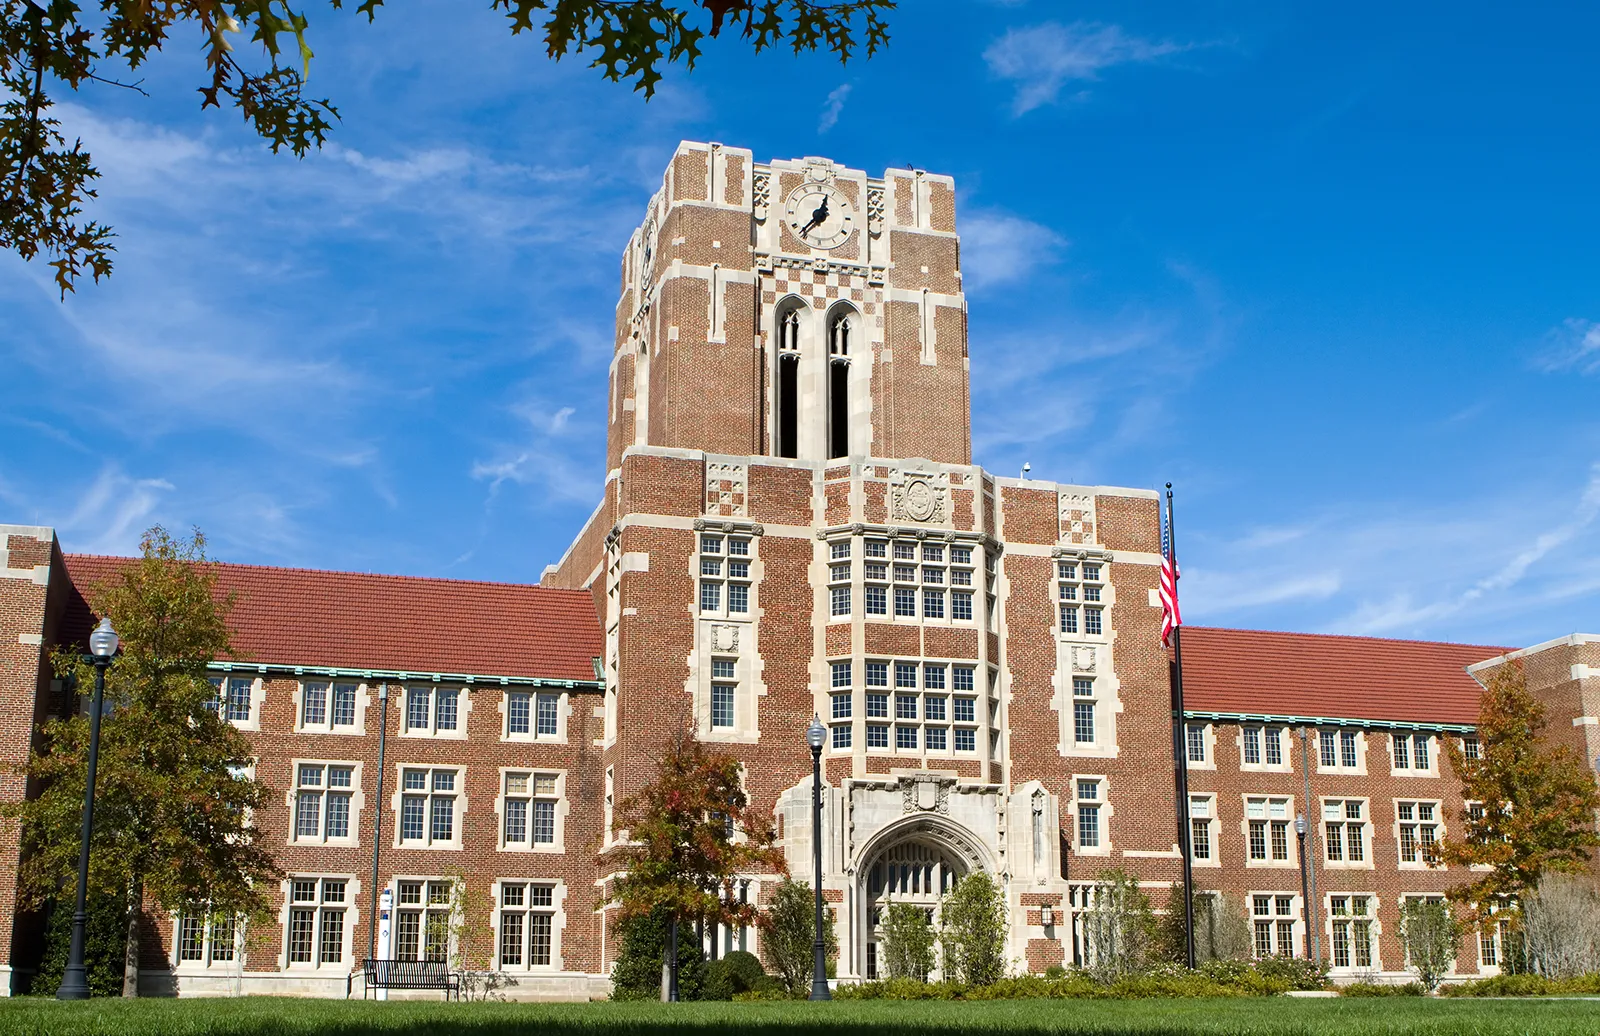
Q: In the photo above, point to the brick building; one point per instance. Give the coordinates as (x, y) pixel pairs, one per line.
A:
(792, 525)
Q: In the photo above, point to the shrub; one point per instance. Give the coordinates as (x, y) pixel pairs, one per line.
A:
(790, 937)
(105, 939)
(972, 932)
(636, 974)
(1430, 935)
(1526, 985)
(1221, 928)
(907, 943)
(738, 972)
(1368, 989)
(1121, 926)
(1561, 922)
(1218, 979)
(1299, 972)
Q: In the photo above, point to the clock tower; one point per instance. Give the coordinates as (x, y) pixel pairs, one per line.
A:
(794, 309)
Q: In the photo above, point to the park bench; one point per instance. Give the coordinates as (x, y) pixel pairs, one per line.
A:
(406, 974)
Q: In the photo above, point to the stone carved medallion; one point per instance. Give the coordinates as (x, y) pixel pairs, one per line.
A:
(924, 793)
(1083, 659)
(917, 497)
(724, 638)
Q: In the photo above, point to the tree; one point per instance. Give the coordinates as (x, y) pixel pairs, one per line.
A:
(972, 931)
(636, 973)
(1534, 802)
(907, 943)
(1430, 935)
(790, 937)
(1561, 923)
(45, 44)
(1121, 927)
(1221, 928)
(693, 834)
(173, 798)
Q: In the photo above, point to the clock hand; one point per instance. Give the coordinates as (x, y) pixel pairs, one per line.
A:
(818, 214)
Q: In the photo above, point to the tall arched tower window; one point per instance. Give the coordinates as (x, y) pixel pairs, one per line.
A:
(841, 328)
(786, 423)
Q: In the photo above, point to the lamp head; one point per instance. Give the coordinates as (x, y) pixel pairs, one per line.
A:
(1299, 823)
(815, 732)
(103, 641)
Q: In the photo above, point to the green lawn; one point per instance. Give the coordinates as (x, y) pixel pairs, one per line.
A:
(1291, 1017)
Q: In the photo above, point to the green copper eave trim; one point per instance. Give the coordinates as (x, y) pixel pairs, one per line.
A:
(406, 675)
(1330, 721)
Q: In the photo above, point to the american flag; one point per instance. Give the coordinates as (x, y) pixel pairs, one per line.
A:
(1171, 618)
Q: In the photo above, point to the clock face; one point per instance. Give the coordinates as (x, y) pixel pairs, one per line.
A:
(820, 215)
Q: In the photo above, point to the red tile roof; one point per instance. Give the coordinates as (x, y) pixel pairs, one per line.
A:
(1311, 675)
(296, 616)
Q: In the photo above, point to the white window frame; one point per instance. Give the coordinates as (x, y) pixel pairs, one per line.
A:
(401, 793)
(1276, 918)
(1103, 813)
(1264, 733)
(427, 910)
(1412, 739)
(727, 559)
(1346, 822)
(209, 924)
(1208, 736)
(1083, 585)
(1415, 821)
(563, 708)
(1275, 813)
(432, 729)
(1339, 766)
(1203, 814)
(556, 911)
(1369, 918)
(355, 791)
(347, 908)
(330, 688)
(558, 798)
(255, 696)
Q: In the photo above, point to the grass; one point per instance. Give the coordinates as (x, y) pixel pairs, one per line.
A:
(1267, 1016)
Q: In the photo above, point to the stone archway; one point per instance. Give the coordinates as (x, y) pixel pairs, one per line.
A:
(915, 860)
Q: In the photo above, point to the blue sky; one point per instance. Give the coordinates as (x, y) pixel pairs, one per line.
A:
(1332, 272)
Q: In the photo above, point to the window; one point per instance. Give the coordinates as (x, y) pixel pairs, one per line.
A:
(433, 710)
(205, 939)
(1083, 710)
(1089, 803)
(1273, 917)
(527, 924)
(428, 805)
(1411, 753)
(905, 602)
(530, 809)
(839, 600)
(327, 706)
(1267, 821)
(723, 689)
(877, 598)
(316, 921)
(841, 705)
(877, 735)
(1339, 750)
(1469, 746)
(841, 735)
(1200, 841)
(1273, 736)
(1352, 930)
(1345, 830)
(724, 575)
(322, 801)
(1252, 746)
(422, 921)
(933, 604)
(536, 714)
(1419, 831)
(232, 697)
(905, 738)
(1195, 739)
(960, 605)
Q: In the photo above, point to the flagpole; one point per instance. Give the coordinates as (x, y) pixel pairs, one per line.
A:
(1180, 750)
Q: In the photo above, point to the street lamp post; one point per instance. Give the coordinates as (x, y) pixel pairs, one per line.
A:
(102, 648)
(1305, 893)
(815, 733)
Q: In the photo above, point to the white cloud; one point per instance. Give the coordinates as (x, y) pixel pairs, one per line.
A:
(832, 107)
(1043, 59)
(113, 511)
(1575, 345)
(997, 248)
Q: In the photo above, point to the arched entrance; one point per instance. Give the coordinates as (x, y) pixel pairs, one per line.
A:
(915, 860)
